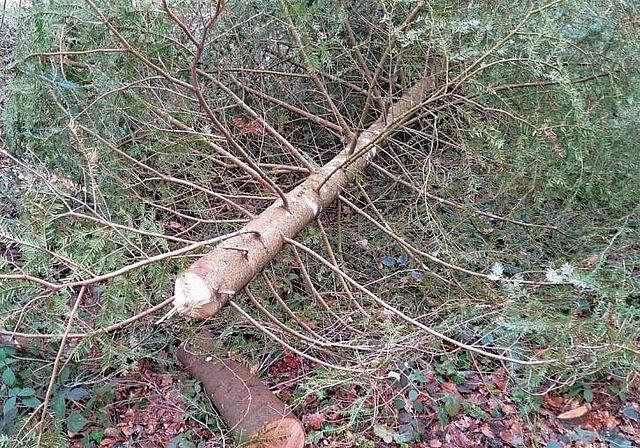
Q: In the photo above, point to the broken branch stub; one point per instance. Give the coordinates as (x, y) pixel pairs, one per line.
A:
(212, 280)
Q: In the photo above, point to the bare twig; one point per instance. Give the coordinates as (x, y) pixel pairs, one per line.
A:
(409, 319)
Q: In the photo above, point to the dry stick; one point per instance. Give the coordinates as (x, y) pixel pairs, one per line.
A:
(339, 231)
(108, 329)
(54, 369)
(149, 260)
(406, 318)
(92, 159)
(346, 130)
(272, 335)
(124, 88)
(95, 279)
(383, 222)
(455, 204)
(504, 61)
(212, 280)
(280, 168)
(484, 108)
(21, 314)
(262, 71)
(73, 53)
(59, 195)
(333, 259)
(244, 106)
(90, 156)
(291, 108)
(165, 177)
(407, 246)
(367, 199)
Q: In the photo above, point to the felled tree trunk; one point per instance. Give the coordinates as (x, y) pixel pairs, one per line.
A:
(249, 409)
(212, 280)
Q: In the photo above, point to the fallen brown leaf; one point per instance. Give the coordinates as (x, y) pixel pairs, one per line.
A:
(487, 431)
(315, 420)
(574, 414)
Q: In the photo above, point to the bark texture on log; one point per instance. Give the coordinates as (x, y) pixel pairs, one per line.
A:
(247, 406)
(212, 280)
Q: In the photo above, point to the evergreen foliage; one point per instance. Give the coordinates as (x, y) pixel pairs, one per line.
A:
(535, 119)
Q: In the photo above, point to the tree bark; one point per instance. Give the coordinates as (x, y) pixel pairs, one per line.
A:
(211, 281)
(249, 409)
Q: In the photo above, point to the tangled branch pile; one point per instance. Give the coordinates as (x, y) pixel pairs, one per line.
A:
(497, 219)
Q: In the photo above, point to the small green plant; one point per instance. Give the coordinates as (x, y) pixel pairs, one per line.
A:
(17, 397)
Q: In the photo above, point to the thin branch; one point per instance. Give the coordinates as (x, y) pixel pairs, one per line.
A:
(450, 203)
(179, 22)
(469, 71)
(334, 260)
(346, 130)
(108, 329)
(250, 167)
(244, 106)
(157, 258)
(131, 49)
(280, 341)
(56, 362)
(193, 218)
(376, 75)
(314, 291)
(372, 80)
(29, 278)
(283, 304)
(407, 246)
(204, 105)
(314, 341)
(123, 227)
(165, 177)
(523, 85)
(291, 108)
(408, 319)
(73, 53)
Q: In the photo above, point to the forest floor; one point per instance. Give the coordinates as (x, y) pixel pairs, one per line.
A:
(154, 407)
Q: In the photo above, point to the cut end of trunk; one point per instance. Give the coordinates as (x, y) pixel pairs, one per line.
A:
(285, 433)
(191, 294)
